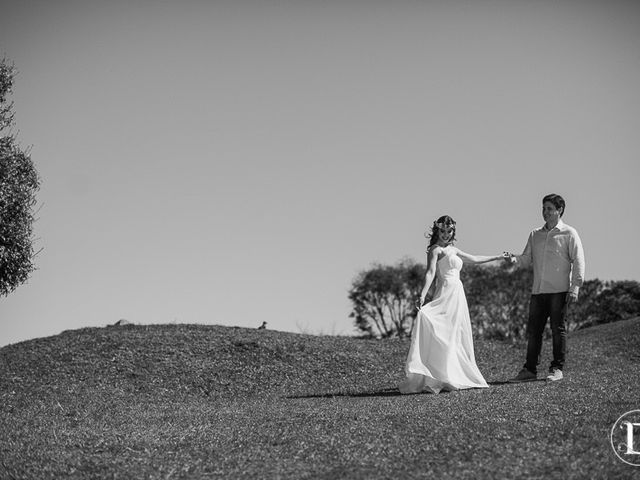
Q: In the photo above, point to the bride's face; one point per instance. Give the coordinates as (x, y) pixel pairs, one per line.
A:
(445, 234)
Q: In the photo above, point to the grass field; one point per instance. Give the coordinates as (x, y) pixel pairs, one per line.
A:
(194, 401)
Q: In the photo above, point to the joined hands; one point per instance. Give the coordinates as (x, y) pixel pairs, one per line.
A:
(509, 257)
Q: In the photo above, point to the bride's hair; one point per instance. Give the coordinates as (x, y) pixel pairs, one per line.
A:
(441, 223)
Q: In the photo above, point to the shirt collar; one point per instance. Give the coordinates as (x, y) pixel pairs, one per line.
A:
(560, 226)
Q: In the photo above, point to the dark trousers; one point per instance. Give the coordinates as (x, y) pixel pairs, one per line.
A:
(541, 307)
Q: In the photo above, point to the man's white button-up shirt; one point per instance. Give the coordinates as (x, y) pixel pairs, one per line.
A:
(557, 258)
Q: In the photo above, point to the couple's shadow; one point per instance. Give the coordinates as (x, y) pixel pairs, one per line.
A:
(385, 392)
(389, 392)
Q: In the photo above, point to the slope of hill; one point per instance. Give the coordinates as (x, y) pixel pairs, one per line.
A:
(195, 401)
(213, 361)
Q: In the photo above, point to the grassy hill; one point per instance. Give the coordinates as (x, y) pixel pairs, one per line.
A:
(195, 401)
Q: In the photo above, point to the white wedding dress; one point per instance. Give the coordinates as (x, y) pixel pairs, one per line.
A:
(441, 355)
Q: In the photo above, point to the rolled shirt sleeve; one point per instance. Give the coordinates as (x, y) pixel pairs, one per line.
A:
(577, 262)
(525, 259)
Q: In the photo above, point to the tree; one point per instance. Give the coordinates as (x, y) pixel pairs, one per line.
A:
(584, 312)
(384, 298)
(618, 300)
(498, 299)
(19, 182)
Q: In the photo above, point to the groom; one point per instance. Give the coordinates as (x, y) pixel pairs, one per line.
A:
(555, 250)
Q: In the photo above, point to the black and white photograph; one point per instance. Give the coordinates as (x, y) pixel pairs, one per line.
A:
(319, 239)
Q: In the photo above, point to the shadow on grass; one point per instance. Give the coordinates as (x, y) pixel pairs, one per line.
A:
(507, 382)
(394, 392)
(385, 392)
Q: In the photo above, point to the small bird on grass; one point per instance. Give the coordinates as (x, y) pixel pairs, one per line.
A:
(263, 326)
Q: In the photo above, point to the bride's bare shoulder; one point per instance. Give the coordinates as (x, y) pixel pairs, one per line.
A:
(434, 250)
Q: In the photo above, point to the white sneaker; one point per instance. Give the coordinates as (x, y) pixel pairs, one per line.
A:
(555, 375)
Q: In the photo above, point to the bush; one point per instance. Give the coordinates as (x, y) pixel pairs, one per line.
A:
(498, 298)
(18, 184)
(617, 300)
(384, 299)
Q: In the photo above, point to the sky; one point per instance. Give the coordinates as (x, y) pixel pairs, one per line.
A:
(234, 162)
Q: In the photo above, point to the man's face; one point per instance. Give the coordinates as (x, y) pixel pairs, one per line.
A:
(550, 213)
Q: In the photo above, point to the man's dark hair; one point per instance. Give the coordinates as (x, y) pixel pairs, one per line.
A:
(557, 201)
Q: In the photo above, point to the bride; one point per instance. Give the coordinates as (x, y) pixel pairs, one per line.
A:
(441, 355)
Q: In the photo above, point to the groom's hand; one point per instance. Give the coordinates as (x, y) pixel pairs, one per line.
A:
(572, 297)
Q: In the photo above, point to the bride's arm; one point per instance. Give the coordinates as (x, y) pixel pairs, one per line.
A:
(468, 258)
(432, 261)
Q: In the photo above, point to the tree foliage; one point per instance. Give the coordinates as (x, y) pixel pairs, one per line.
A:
(18, 184)
(617, 300)
(498, 298)
(384, 299)
(584, 312)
